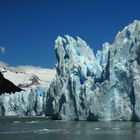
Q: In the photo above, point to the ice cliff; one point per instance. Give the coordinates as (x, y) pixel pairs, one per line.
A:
(103, 87)
(31, 102)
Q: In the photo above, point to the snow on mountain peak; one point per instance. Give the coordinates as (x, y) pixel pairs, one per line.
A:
(23, 74)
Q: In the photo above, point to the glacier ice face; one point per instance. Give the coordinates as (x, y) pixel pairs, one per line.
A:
(31, 102)
(74, 56)
(105, 86)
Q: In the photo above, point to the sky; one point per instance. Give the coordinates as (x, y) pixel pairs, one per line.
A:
(28, 28)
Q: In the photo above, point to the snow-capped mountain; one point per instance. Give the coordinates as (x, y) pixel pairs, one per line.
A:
(28, 76)
(105, 86)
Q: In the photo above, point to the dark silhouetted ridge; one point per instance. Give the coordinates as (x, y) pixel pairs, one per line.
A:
(7, 86)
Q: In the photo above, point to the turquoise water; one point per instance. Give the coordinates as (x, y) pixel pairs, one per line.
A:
(39, 128)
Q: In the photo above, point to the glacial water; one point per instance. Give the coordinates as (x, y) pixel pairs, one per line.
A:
(39, 128)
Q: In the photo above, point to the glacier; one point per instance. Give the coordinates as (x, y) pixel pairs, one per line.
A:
(101, 87)
(31, 102)
(96, 87)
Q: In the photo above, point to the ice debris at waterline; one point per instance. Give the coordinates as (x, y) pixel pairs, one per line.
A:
(103, 87)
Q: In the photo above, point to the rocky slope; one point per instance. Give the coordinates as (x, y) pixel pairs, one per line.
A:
(103, 87)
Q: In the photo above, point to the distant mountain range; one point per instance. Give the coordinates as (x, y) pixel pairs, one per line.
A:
(26, 77)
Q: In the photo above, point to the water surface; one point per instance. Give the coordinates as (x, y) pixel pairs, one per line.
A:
(39, 128)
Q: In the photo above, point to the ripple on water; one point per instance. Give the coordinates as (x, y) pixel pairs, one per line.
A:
(40, 131)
